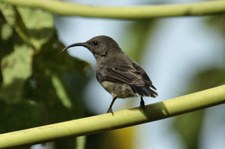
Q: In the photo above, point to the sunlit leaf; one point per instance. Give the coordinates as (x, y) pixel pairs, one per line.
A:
(38, 84)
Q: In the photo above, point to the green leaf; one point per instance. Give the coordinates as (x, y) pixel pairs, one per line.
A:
(38, 83)
(38, 30)
(16, 67)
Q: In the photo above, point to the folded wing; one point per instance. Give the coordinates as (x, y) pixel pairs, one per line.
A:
(132, 75)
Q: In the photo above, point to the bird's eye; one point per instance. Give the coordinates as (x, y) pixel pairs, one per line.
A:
(95, 43)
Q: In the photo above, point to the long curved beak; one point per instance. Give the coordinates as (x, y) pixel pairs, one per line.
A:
(83, 44)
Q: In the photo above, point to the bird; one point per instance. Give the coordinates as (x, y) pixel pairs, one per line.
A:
(117, 73)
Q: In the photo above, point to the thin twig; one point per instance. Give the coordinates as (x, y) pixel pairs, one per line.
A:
(124, 12)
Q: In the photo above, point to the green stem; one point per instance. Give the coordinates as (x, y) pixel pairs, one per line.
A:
(120, 119)
(124, 12)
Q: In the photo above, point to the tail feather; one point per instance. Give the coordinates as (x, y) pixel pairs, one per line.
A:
(145, 91)
(153, 93)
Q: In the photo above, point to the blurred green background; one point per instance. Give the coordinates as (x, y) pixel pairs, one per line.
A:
(39, 85)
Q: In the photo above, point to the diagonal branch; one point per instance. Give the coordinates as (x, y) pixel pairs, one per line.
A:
(120, 119)
(124, 12)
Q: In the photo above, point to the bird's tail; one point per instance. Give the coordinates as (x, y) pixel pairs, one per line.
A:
(145, 91)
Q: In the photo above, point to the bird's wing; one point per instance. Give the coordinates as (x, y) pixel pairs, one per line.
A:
(124, 73)
(132, 75)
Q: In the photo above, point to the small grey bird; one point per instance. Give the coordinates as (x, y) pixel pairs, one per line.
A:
(121, 76)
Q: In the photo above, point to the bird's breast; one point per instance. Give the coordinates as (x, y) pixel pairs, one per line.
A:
(118, 89)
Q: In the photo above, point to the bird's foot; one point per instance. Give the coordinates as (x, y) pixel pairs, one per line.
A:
(110, 111)
(142, 104)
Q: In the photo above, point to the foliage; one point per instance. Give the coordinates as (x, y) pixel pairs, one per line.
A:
(38, 84)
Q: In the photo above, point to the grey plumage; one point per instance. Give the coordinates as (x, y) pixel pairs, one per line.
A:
(120, 75)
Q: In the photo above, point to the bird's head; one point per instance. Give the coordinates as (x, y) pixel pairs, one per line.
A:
(99, 46)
